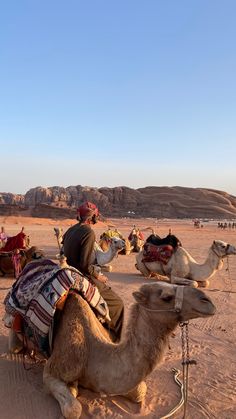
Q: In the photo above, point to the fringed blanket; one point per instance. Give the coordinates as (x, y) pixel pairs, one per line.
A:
(38, 290)
(15, 242)
(154, 253)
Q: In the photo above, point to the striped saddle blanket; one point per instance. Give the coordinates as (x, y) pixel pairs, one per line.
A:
(38, 291)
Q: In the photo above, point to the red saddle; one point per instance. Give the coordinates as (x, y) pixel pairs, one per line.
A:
(153, 253)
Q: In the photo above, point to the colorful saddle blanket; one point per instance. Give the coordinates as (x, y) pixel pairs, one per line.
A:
(153, 253)
(37, 292)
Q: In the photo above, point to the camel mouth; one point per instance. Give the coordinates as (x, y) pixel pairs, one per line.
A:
(208, 310)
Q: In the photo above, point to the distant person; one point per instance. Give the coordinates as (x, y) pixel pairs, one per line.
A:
(3, 238)
(78, 243)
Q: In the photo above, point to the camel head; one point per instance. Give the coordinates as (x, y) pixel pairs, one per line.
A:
(116, 243)
(173, 303)
(223, 249)
(34, 253)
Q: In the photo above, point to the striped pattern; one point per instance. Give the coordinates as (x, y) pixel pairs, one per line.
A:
(40, 286)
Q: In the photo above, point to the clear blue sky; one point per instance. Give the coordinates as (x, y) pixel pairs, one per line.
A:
(112, 93)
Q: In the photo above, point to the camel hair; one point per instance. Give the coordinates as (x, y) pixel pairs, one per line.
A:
(83, 353)
(182, 267)
(99, 256)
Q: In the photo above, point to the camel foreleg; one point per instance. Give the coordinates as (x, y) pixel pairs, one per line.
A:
(183, 281)
(70, 407)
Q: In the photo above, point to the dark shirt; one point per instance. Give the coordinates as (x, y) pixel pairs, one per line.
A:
(78, 243)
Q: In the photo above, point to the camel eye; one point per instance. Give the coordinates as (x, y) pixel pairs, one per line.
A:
(167, 298)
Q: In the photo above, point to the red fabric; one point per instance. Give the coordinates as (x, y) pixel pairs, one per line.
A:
(154, 253)
(88, 208)
(15, 242)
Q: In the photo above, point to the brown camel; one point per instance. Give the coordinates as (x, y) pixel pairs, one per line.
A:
(26, 256)
(83, 353)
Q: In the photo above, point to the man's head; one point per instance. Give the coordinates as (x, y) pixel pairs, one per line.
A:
(88, 212)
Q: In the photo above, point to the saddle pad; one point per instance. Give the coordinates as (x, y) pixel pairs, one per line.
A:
(154, 253)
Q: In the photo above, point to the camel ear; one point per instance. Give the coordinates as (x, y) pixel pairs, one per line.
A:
(140, 297)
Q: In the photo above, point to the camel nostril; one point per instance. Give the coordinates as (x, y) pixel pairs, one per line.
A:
(205, 300)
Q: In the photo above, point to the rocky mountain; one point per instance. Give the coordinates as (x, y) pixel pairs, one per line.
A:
(151, 201)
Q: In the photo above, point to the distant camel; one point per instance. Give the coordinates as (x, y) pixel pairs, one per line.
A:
(182, 267)
(83, 353)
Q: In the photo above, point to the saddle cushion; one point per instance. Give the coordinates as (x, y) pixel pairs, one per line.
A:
(153, 253)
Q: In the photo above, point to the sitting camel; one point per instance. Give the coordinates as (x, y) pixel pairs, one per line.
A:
(99, 257)
(182, 267)
(83, 353)
(102, 258)
(9, 260)
(136, 239)
(104, 243)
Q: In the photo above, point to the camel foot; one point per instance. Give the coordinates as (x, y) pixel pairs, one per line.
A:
(72, 409)
(106, 268)
(203, 284)
(138, 394)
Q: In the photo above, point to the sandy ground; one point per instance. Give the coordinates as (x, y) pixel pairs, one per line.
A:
(212, 382)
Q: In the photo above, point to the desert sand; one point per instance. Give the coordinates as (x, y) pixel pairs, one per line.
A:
(212, 382)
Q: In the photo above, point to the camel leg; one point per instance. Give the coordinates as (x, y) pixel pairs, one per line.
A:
(106, 268)
(138, 394)
(183, 281)
(70, 407)
(142, 268)
(203, 284)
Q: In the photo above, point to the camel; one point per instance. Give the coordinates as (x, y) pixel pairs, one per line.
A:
(7, 266)
(99, 257)
(182, 267)
(104, 243)
(83, 353)
(136, 243)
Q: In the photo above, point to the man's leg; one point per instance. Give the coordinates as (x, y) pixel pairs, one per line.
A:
(115, 305)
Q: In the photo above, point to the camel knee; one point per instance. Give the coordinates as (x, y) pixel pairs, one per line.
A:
(70, 407)
(141, 267)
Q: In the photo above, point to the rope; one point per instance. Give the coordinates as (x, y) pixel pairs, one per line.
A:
(181, 402)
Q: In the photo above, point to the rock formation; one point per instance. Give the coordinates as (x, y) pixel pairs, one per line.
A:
(151, 201)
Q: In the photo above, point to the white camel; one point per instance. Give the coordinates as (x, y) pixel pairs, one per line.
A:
(99, 257)
(182, 267)
(83, 353)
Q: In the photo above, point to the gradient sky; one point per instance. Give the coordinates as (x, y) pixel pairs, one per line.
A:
(118, 93)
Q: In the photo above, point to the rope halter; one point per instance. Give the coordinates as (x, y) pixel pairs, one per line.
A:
(179, 296)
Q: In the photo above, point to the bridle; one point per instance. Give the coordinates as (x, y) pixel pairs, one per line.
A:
(179, 295)
(220, 256)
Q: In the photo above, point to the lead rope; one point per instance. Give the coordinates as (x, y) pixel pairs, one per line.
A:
(186, 361)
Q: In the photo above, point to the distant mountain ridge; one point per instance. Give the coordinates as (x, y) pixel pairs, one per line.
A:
(122, 201)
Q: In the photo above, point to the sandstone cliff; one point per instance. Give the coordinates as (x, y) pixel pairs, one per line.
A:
(151, 201)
